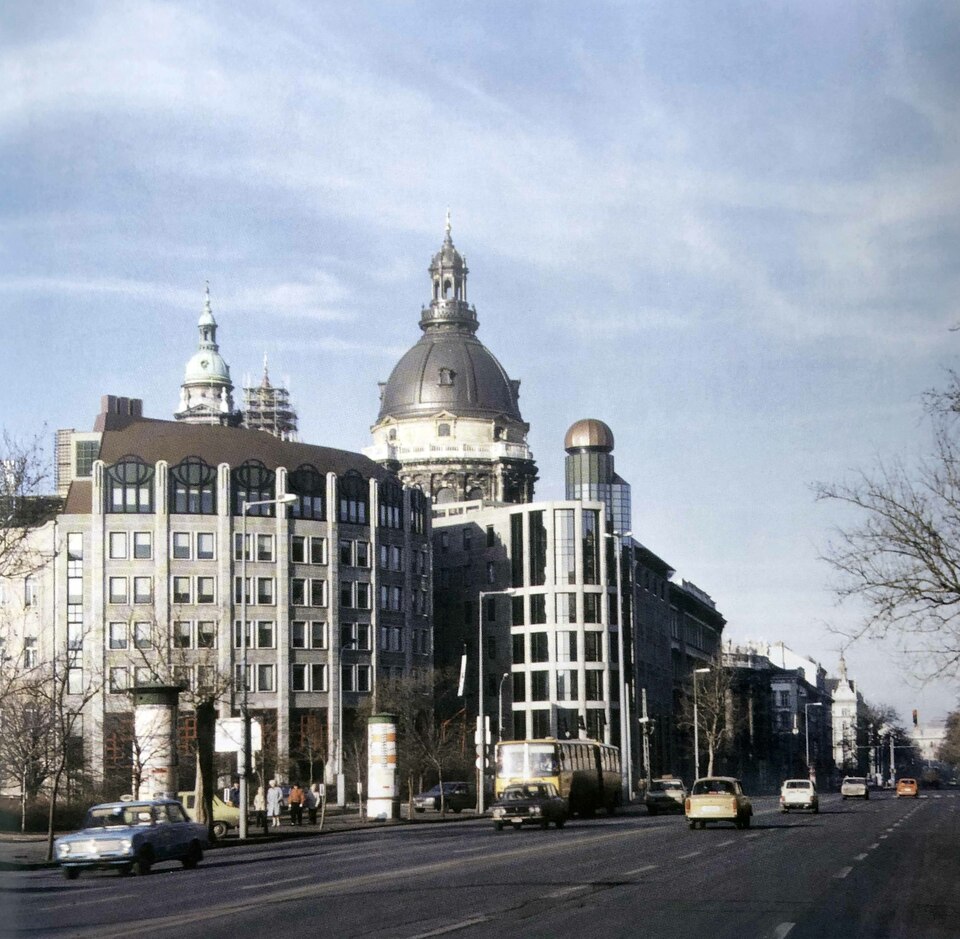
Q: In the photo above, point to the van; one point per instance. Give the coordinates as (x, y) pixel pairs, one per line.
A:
(225, 816)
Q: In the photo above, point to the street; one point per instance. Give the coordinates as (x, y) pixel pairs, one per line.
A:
(868, 869)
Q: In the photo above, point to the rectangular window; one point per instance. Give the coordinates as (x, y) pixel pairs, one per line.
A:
(118, 680)
(142, 545)
(347, 677)
(265, 548)
(142, 675)
(75, 636)
(566, 608)
(318, 634)
(538, 550)
(265, 634)
(298, 635)
(118, 589)
(206, 634)
(141, 636)
(318, 676)
(396, 558)
(346, 553)
(467, 539)
(182, 590)
(594, 685)
(240, 679)
(567, 685)
(363, 596)
(206, 590)
(205, 546)
(539, 647)
(540, 685)
(183, 676)
(298, 549)
(74, 681)
(298, 677)
(566, 646)
(516, 549)
(592, 647)
(118, 545)
(538, 608)
(143, 590)
(491, 538)
(182, 634)
(591, 548)
(265, 595)
(30, 654)
(318, 592)
(519, 653)
(181, 545)
(591, 607)
(564, 546)
(519, 686)
(363, 678)
(118, 635)
(238, 635)
(363, 554)
(491, 572)
(318, 550)
(346, 593)
(298, 591)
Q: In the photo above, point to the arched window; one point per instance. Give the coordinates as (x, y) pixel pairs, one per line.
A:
(308, 484)
(418, 511)
(443, 430)
(252, 482)
(130, 486)
(391, 503)
(475, 493)
(447, 287)
(446, 495)
(193, 488)
(354, 499)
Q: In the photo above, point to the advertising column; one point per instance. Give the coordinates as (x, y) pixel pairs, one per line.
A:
(383, 795)
(155, 741)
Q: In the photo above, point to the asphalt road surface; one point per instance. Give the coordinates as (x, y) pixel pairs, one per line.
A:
(868, 869)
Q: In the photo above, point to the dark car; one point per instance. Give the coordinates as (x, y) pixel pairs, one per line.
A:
(456, 798)
(131, 837)
(529, 804)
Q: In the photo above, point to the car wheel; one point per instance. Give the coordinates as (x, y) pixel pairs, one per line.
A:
(784, 811)
(71, 873)
(141, 866)
(746, 820)
(498, 826)
(458, 810)
(124, 870)
(651, 810)
(418, 811)
(561, 822)
(545, 824)
(220, 830)
(816, 810)
(194, 856)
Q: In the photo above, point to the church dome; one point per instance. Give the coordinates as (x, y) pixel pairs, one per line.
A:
(207, 365)
(589, 434)
(449, 369)
(452, 372)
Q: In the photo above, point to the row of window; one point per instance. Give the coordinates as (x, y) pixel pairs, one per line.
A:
(535, 685)
(535, 647)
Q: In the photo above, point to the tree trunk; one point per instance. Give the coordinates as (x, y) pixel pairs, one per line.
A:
(206, 732)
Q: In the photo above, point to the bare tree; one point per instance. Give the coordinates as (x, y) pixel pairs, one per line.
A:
(949, 749)
(713, 711)
(900, 554)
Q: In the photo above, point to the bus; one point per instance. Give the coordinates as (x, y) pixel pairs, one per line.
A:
(585, 772)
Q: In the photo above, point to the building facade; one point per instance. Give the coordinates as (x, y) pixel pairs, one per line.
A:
(174, 540)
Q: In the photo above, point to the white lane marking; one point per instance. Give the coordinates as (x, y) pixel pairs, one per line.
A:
(72, 903)
(781, 931)
(453, 927)
(840, 874)
(755, 834)
(884, 837)
(683, 857)
(871, 847)
(277, 883)
(723, 844)
(640, 870)
(566, 891)
(860, 857)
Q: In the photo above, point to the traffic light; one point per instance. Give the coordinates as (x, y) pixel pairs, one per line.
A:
(914, 717)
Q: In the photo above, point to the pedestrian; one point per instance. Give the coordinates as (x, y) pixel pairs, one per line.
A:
(260, 809)
(234, 799)
(311, 799)
(295, 799)
(274, 803)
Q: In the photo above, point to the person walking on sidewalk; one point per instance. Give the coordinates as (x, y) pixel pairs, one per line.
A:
(295, 799)
(274, 803)
(311, 799)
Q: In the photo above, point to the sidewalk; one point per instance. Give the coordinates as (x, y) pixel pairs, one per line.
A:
(29, 852)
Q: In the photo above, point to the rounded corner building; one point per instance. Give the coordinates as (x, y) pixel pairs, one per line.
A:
(449, 421)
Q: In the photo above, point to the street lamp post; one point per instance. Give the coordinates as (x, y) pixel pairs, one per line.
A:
(481, 720)
(503, 678)
(341, 779)
(244, 705)
(806, 727)
(696, 724)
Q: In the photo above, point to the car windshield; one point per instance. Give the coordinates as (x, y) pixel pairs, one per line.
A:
(797, 784)
(118, 816)
(529, 791)
(855, 781)
(713, 787)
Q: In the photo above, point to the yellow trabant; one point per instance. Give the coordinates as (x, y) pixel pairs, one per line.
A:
(717, 799)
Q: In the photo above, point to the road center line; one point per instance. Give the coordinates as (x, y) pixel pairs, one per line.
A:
(860, 857)
(640, 870)
(276, 883)
(723, 844)
(566, 891)
(683, 857)
(453, 927)
(840, 874)
(871, 847)
(781, 931)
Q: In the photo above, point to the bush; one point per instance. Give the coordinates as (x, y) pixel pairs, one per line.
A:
(67, 817)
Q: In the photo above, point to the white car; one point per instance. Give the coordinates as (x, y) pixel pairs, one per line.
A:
(855, 787)
(799, 794)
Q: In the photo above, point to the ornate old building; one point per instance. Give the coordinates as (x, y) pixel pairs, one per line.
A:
(449, 421)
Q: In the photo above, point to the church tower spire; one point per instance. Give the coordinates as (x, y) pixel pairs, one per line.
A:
(206, 393)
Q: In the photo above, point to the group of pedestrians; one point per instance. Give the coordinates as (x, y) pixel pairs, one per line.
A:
(268, 805)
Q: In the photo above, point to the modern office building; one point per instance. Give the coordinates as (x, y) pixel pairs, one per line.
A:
(449, 418)
(171, 537)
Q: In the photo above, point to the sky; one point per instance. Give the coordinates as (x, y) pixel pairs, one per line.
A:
(730, 231)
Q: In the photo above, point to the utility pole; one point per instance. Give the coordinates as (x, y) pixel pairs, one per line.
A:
(645, 721)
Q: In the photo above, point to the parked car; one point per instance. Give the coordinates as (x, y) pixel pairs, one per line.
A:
(908, 787)
(456, 798)
(799, 794)
(665, 795)
(855, 787)
(533, 803)
(131, 837)
(225, 816)
(718, 799)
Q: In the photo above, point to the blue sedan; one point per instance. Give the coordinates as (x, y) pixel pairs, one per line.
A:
(131, 837)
